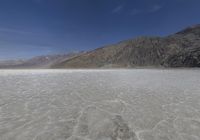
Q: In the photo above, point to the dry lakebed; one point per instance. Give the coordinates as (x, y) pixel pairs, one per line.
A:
(132, 104)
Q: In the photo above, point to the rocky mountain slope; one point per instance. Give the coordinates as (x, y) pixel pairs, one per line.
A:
(178, 50)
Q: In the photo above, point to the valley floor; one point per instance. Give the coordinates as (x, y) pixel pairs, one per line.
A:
(134, 104)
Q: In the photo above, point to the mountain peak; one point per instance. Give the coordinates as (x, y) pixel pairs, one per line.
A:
(172, 51)
(195, 26)
(195, 29)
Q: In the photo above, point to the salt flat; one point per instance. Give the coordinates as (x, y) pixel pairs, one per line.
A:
(138, 104)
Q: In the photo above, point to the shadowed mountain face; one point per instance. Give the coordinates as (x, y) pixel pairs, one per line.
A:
(178, 50)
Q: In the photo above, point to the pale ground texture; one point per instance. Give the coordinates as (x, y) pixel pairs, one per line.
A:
(139, 104)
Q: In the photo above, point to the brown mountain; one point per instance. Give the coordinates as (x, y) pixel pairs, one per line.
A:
(178, 50)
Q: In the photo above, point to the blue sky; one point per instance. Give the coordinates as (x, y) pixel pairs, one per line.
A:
(36, 27)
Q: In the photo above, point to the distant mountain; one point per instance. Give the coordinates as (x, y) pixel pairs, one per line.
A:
(181, 49)
(178, 50)
(37, 62)
(9, 63)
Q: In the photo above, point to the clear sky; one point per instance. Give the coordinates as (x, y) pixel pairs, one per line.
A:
(36, 27)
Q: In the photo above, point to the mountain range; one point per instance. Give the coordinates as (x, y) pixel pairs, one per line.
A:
(181, 49)
(39, 62)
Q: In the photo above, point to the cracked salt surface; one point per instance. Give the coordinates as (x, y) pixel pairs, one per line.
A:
(139, 104)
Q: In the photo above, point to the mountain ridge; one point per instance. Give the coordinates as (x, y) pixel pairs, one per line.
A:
(38, 62)
(181, 49)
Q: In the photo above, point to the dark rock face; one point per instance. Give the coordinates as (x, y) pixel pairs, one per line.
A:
(179, 50)
(185, 59)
